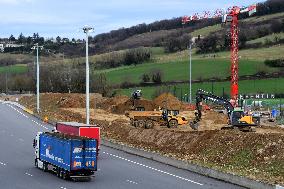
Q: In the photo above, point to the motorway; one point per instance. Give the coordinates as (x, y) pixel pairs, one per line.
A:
(116, 169)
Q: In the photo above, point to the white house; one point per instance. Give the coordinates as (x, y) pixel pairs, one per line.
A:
(11, 45)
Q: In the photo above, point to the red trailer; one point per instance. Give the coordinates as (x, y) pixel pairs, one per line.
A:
(79, 129)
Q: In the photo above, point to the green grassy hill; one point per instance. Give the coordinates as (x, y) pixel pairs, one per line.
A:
(274, 85)
(14, 69)
(175, 67)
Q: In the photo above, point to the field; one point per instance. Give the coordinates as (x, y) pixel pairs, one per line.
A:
(206, 31)
(18, 69)
(270, 38)
(182, 90)
(176, 66)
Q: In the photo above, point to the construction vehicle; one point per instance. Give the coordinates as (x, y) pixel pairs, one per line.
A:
(135, 96)
(66, 155)
(236, 116)
(146, 119)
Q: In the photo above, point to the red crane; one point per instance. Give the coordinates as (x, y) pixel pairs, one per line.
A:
(232, 17)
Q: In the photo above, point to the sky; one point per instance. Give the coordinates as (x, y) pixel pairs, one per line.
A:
(52, 18)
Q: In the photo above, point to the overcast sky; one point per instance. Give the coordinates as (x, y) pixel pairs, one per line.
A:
(51, 18)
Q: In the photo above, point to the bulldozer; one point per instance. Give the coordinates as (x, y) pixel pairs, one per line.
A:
(236, 116)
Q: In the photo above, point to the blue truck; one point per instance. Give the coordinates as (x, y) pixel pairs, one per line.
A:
(65, 155)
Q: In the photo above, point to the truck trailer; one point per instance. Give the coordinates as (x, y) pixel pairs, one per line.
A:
(79, 129)
(67, 156)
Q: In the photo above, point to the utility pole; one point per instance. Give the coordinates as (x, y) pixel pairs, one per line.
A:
(6, 79)
(37, 76)
(190, 76)
(87, 30)
(37, 80)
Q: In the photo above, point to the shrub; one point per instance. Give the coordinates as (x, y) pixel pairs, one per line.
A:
(275, 63)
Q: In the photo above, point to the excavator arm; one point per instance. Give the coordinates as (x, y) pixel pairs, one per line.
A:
(203, 95)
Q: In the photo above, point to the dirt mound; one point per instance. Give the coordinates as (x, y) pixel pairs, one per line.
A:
(108, 104)
(169, 101)
(217, 118)
(128, 105)
(67, 100)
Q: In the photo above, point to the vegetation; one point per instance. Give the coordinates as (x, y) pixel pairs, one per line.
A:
(275, 63)
(18, 69)
(177, 69)
(182, 90)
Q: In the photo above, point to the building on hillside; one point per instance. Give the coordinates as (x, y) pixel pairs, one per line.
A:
(12, 45)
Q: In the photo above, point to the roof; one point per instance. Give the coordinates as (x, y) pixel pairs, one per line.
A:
(76, 124)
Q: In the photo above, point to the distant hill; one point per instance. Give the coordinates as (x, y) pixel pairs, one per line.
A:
(156, 34)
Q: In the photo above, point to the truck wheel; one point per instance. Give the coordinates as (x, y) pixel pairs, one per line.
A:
(149, 124)
(61, 172)
(65, 175)
(135, 123)
(131, 122)
(45, 167)
(36, 163)
(173, 123)
(141, 123)
(58, 170)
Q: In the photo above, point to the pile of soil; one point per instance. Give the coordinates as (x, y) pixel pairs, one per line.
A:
(109, 103)
(168, 101)
(59, 100)
(128, 105)
(217, 118)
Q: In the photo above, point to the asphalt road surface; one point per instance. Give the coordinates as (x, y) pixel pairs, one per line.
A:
(116, 169)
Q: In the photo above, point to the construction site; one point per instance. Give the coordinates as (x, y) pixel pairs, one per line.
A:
(257, 154)
(234, 133)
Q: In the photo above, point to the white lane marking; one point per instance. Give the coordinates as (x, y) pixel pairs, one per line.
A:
(18, 111)
(63, 187)
(20, 139)
(39, 124)
(132, 182)
(27, 117)
(4, 164)
(154, 169)
(29, 174)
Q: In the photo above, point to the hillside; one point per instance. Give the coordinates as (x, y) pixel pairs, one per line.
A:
(162, 54)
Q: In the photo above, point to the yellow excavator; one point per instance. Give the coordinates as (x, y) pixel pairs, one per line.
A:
(236, 116)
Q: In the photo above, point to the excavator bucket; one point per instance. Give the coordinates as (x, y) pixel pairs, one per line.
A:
(194, 125)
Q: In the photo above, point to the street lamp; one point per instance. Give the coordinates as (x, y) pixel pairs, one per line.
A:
(37, 76)
(190, 76)
(87, 30)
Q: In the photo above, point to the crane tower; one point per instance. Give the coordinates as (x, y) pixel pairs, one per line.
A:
(230, 16)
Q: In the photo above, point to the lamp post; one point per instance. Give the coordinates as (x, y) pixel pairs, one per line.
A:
(37, 76)
(190, 76)
(87, 30)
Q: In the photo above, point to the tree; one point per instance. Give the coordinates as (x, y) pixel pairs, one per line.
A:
(242, 40)
(12, 38)
(58, 39)
(145, 78)
(208, 44)
(157, 76)
(276, 26)
(21, 39)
